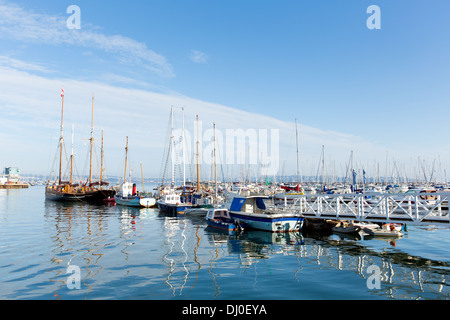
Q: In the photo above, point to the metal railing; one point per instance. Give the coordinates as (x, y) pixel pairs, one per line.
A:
(414, 208)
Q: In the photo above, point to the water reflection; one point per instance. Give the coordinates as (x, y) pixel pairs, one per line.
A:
(190, 260)
(403, 276)
(79, 239)
(175, 255)
(81, 235)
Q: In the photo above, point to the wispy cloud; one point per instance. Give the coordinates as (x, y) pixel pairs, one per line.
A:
(198, 56)
(20, 24)
(22, 65)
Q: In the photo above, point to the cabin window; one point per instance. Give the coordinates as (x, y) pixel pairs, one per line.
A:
(260, 203)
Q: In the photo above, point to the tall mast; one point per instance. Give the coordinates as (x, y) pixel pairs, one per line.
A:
(323, 167)
(296, 135)
(92, 141)
(184, 160)
(126, 156)
(351, 162)
(172, 145)
(101, 163)
(351, 170)
(61, 139)
(71, 161)
(142, 176)
(198, 175)
(215, 165)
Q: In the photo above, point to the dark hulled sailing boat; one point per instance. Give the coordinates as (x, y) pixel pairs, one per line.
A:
(65, 190)
(68, 191)
(104, 193)
(101, 189)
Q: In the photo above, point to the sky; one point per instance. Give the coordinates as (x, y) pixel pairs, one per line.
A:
(247, 65)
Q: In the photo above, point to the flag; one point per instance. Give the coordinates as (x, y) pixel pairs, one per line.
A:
(62, 92)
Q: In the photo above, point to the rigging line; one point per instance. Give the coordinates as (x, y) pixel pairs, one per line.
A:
(177, 158)
(167, 162)
(53, 165)
(221, 163)
(165, 159)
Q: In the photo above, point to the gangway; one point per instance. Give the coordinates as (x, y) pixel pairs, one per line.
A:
(408, 208)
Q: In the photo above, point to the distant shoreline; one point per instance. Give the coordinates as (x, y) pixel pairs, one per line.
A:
(14, 186)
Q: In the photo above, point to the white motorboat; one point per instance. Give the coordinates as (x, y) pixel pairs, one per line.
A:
(257, 214)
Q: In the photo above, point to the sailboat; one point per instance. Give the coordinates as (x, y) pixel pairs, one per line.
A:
(66, 191)
(106, 195)
(93, 192)
(201, 204)
(128, 195)
(172, 202)
(291, 193)
(99, 187)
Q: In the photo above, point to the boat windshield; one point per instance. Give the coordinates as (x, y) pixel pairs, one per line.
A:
(262, 203)
(217, 214)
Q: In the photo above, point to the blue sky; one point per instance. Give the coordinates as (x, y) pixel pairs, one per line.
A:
(315, 61)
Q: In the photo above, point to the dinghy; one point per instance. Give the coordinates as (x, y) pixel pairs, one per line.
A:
(219, 218)
(382, 232)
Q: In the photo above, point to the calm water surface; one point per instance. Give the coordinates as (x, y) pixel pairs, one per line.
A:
(127, 253)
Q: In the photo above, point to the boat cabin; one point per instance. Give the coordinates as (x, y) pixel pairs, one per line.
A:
(254, 204)
(127, 189)
(172, 199)
(218, 214)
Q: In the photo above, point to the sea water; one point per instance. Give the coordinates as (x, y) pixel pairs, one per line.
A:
(57, 251)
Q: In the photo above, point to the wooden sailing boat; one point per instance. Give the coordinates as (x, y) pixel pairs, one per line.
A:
(99, 187)
(66, 190)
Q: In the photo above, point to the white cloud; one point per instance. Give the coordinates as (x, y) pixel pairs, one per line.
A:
(198, 56)
(19, 24)
(21, 65)
(30, 108)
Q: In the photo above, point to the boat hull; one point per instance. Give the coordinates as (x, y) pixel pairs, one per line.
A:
(173, 208)
(93, 196)
(383, 233)
(135, 201)
(100, 195)
(271, 223)
(228, 226)
(55, 195)
(109, 201)
(349, 229)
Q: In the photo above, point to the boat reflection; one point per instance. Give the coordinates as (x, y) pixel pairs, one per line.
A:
(403, 276)
(188, 259)
(80, 238)
(77, 238)
(175, 255)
